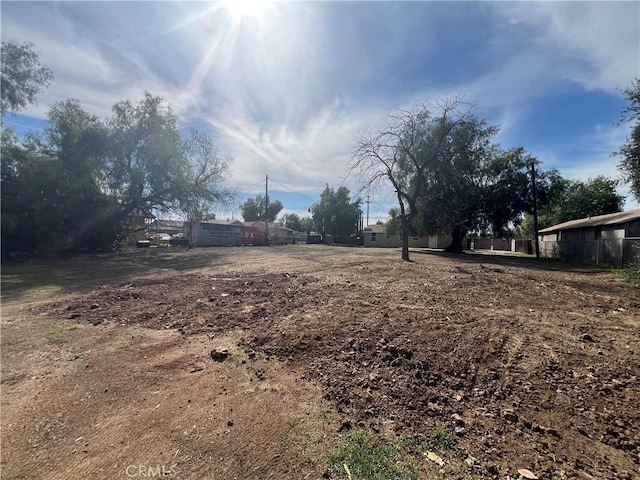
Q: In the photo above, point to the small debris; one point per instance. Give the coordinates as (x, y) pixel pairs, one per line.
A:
(458, 419)
(220, 355)
(527, 474)
(587, 338)
(510, 416)
(459, 431)
(345, 426)
(229, 423)
(435, 458)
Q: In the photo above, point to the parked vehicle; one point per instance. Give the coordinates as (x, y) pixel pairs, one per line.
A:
(179, 240)
(160, 239)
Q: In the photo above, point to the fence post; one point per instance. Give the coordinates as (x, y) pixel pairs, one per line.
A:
(597, 252)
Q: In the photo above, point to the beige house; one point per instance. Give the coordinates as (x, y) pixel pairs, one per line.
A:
(375, 236)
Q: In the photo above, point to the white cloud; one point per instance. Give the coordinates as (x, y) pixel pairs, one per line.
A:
(287, 93)
(594, 44)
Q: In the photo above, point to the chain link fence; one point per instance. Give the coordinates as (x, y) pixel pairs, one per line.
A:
(613, 252)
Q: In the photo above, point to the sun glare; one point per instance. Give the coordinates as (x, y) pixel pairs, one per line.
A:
(246, 8)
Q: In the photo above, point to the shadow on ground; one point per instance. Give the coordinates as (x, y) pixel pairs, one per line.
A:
(82, 273)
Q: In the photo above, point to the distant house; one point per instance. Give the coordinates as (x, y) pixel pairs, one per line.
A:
(375, 236)
(171, 227)
(277, 232)
(612, 239)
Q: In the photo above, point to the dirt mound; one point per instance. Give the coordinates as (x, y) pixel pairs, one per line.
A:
(525, 366)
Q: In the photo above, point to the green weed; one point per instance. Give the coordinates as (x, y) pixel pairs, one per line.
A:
(369, 458)
(441, 437)
(56, 334)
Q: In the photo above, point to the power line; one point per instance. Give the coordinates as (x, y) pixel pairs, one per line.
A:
(260, 182)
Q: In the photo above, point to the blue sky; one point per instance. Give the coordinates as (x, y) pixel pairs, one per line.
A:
(286, 87)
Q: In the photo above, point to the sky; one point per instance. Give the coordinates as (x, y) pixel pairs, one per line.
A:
(286, 88)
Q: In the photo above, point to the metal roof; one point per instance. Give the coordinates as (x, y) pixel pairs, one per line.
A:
(597, 221)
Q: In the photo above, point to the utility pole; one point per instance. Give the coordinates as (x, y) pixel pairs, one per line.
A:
(367, 202)
(266, 210)
(535, 208)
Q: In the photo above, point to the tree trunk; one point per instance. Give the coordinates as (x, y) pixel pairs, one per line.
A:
(457, 235)
(405, 240)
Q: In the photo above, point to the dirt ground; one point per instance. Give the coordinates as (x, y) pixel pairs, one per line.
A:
(107, 373)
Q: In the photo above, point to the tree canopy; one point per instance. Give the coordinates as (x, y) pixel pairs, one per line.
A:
(22, 76)
(253, 209)
(75, 186)
(297, 223)
(562, 200)
(447, 175)
(335, 213)
(629, 153)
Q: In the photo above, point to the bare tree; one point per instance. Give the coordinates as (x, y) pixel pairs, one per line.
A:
(401, 152)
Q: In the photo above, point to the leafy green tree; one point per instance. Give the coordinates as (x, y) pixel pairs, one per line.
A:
(307, 225)
(563, 200)
(145, 164)
(629, 153)
(76, 185)
(292, 221)
(393, 226)
(22, 76)
(297, 223)
(335, 213)
(253, 209)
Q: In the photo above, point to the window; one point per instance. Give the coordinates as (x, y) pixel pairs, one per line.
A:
(415, 238)
(373, 237)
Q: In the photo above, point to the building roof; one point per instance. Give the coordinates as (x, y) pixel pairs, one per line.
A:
(233, 223)
(375, 228)
(597, 221)
(272, 226)
(168, 223)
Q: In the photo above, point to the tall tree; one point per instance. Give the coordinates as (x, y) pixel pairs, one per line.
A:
(335, 213)
(22, 76)
(145, 165)
(400, 151)
(447, 175)
(253, 209)
(629, 153)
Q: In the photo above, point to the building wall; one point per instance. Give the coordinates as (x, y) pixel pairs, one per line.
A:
(612, 233)
(251, 236)
(382, 240)
(607, 245)
(214, 235)
(632, 229)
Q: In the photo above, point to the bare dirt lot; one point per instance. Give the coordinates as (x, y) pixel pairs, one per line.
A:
(107, 373)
